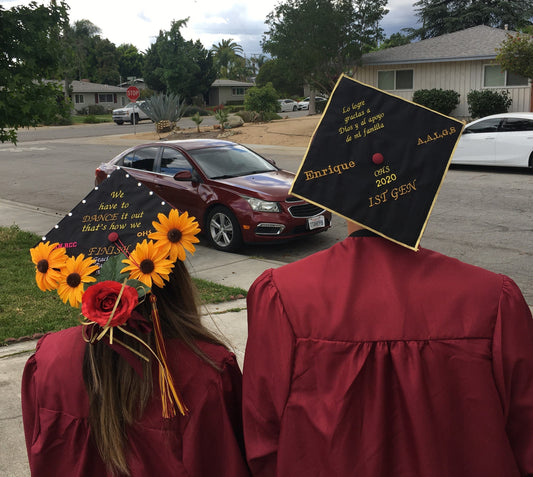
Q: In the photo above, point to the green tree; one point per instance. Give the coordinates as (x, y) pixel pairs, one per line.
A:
(130, 61)
(285, 83)
(104, 60)
(516, 55)
(318, 40)
(396, 39)
(77, 46)
(31, 53)
(447, 16)
(174, 65)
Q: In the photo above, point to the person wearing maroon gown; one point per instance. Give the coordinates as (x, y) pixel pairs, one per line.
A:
(373, 359)
(142, 388)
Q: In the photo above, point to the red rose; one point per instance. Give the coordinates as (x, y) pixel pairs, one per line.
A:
(99, 299)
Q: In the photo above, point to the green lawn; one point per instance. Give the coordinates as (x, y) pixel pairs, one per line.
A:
(26, 310)
(92, 119)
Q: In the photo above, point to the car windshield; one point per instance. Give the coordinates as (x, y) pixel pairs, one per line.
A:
(230, 161)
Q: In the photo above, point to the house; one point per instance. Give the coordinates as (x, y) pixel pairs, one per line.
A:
(85, 94)
(461, 61)
(224, 91)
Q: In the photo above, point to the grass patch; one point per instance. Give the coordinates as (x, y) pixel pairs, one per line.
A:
(94, 118)
(26, 310)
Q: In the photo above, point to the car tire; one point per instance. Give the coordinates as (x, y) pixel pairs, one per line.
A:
(223, 229)
(120, 123)
(295, 108)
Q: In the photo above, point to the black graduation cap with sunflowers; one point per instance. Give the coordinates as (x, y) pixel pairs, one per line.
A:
(107, 254)
(378, 160)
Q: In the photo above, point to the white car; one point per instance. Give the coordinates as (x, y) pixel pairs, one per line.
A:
(129, 113)
(304, 103)
(499, 140)
(287, 105)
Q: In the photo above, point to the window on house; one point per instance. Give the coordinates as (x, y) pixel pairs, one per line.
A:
(493, 77)
(238, 91)
(105, 98)
(395, 79)
(78, 99)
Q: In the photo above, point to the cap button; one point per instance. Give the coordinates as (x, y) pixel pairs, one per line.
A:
(112, 237)
(377, 158)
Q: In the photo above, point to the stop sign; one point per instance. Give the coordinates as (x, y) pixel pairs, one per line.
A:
(133, 93)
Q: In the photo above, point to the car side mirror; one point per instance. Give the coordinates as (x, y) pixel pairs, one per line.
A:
(183, 176)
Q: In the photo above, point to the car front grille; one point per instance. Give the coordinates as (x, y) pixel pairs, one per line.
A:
(305, 210)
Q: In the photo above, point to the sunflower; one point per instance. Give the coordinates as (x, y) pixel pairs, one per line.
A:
(48, 259)
(178, 231)
(76, 272)
(149, 262)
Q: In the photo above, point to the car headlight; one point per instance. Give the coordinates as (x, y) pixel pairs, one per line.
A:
(259, 205)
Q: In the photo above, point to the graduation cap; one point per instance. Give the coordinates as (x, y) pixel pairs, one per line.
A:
(120, 205)
(108, 225)
(377, 160)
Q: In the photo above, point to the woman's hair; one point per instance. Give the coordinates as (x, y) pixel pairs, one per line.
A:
(117, 394)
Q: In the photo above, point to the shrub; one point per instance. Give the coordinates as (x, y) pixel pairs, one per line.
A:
(94, 110)
(190, 111)
(486, 102)
(197, 120)
(442, 100)
(165, 110)
(248, 116)
(261, 99)
(320, 106)
(221, 116)
(91, 119)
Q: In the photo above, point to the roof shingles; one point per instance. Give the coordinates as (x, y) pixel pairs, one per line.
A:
(476, 43)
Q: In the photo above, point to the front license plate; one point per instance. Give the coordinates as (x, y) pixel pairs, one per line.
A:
(316, 222)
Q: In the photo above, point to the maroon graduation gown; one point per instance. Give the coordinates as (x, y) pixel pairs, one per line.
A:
(207, 442)
(372, 360)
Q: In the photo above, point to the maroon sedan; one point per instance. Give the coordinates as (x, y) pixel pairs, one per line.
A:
(235, 194)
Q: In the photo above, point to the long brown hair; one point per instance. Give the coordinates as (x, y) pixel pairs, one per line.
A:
(117, 394)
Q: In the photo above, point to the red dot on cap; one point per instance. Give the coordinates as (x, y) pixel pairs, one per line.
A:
(377, 158)
(112, 237)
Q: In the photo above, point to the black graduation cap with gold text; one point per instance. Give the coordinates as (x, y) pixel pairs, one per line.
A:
(378, 160)
(120, 205)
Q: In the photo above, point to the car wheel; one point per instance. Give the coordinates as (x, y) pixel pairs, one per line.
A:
(530, 164)
(295, 108)
(223, 230)
(120, 123)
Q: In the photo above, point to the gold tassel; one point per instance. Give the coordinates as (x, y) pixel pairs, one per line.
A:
(170, 397)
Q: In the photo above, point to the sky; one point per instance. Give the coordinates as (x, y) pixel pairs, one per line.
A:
(139, 21)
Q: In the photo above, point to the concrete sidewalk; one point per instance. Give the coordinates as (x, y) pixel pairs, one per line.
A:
(228, 319)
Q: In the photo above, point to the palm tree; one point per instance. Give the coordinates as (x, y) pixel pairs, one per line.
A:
(227, 54)
(257, 61)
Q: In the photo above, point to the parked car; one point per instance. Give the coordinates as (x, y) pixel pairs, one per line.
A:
(304, 103)
(288, 105)
(129, 113)
(499, 140)
(235, 194)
